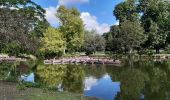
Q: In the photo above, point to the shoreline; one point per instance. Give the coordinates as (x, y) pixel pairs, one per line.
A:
(82, 60)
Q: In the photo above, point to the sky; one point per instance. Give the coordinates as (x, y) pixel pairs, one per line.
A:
(96, 14)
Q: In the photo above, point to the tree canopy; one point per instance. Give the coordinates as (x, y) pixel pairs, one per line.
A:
(19, 19)
(72, 27)
(143, 24)
(93, 42)
(53, 43)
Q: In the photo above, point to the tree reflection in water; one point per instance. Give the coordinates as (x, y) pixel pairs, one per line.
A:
(73, 79)
(132, 84)
(69, 77)
(50, 75)
(12, 71)
(146, 79)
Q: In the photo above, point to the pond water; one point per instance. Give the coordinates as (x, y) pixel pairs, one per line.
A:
(143, 81)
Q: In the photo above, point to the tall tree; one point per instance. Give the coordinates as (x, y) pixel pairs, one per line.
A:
(113, 43)
(126, 11)
(53, 43)
(131, 35)
(71, 25)
(168, 25)
(93, 42)
(18, 18)
(154, 20)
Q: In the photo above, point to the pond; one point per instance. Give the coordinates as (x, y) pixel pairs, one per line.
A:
(143, 81)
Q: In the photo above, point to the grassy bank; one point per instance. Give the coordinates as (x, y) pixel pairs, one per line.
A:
(37, 94)
(9, 91)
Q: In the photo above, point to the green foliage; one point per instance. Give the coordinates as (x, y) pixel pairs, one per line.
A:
(73, 79)
(72, 27)
(12, 48)
(132, 83)
(50, 75)
(93, 42)
(17, 26)
(152, 15)
(154, 20)
(131, 34)
(125, 37)
(31, 85)
(126, 11)
(53, 43)
(4, 70)
(113, 43)
(21, 87)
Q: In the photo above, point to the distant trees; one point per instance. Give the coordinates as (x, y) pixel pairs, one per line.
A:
(93, 42)
(143, 25)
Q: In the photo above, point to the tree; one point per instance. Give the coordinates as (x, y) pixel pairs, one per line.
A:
(154, 20)
(129, 34)
(18, 18)
(126, 37)
(154, 17)
(126, 11)
(168, 26)
(71, 25)
(53, 43)
(113, 43)
(93, 42)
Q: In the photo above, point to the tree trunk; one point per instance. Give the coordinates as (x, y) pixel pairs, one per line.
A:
(64, 51)
(131, 58)
(157, 50)
(130, 51)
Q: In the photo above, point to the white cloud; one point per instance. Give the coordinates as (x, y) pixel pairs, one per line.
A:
(66, 2)
(91, 23)
(117, 23)
(106, 76)
(51, 16)
(89, 83)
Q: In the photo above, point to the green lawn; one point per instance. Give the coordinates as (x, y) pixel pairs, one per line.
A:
(9, 91)
(38, 94)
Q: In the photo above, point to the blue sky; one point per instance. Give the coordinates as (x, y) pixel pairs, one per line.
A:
(96, 14)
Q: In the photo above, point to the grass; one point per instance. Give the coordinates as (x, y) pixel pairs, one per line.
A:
(40, 95)
(9, 91)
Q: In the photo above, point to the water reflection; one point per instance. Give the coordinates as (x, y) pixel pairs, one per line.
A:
(145, 80)
(132, 84)
(73, 79)
(28, 77)
(102, 88)
(89, 82)
(49, 75)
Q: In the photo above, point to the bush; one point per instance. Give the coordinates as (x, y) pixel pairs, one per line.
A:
(30, 84)
(21, 87)
(89, 53)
